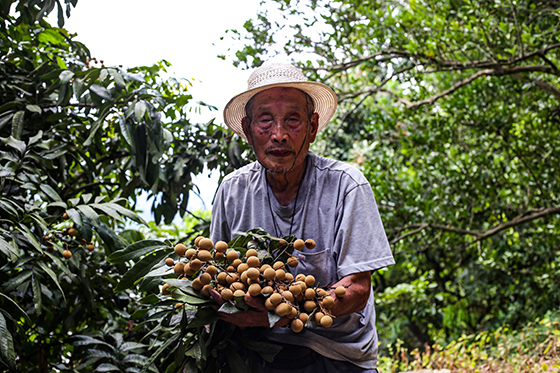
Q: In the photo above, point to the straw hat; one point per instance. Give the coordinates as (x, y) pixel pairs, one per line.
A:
(280, 74)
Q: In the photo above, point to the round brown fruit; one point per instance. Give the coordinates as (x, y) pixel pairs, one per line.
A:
(253, 273)
(165, 289)
(300, 277)
(232, 255)
(205, 278)
(275, 299)
(303, 317)
(254, 290)
(295, 289)
(236, 263)
(289, 277)
(328, 301)
(226, 294)
(299, 244)
(65, 216)
(242, 268)
(180, 249)
(169, 262)
(67, 254)
(309, 306)
(179, 268)
(309, 294)
(326, 321)
(318, 317)
(253, 261)
(309, 280)
(188, 270)
(204, 255)
(296, 325)
(90, 247)
(310, 244)
(190, 254)
(239, 293)
(72, 232)
(206, 290)
(205, 244)
(221, 247)
(278, 265)
(280, 274)
(251, 252)
(322, 292)
(293, 261)
(197, 240)
(268, 304)
(222, 278)
(237, 286)
(269, 274)
(195, 264)
(178, 305)
(283, 309)
(267, 290)
(340, 291)
(196, 284)
(211, 270)
(231, 278)
(293, 313)
(218, 256)
(288, 296)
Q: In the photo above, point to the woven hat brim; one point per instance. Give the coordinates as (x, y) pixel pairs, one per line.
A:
(323, 96)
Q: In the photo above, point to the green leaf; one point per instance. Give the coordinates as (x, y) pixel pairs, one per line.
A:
(37, 296)
(31, 238)
(229, 308)
(17, 124)
(63, 267)
(138, 314)
(15, 143)
(118, 78)
(101, 92)
(90, 214)
(14, 282)
(140, 110)
(140, 269)
(235, 362)
(65, 76)
(106, 367)
(7, 351)
(149, 299)
(75, 216)
(9, 249)
(35, 138)
(161, 348)
(195, 301)
(107, 210)
(135, 250)
(49, 191)
(53, 277)
(126, 212)
(23, 313)
(34, 108)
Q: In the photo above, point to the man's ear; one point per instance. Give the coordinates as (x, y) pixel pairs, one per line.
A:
(314, 127)
(246, 129)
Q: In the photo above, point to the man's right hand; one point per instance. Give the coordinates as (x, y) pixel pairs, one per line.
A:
(256, 316)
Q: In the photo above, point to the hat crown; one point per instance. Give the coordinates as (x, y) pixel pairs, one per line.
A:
(275, 72)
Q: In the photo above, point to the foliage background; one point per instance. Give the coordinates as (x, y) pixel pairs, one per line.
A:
(450, 108)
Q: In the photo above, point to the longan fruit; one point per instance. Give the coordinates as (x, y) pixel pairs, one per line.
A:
(221, 278)
(280, 274)
(205, 244)
(309, 294)
(67, 254)
(65, 216)
(300, 277)
(254, 290)
(197, 240)
(309, 280)
(195, 264)
(288, 296)
(218, 256)
(328, 301)
(267, 290)
(170, 262)
(269, 305)
(340, 291)
(318, 317)
(253, 273)
(231, 255)
(278, 265)
(322, 292)
(196, 284)
(283, 309)
(226, 294)
(264, 267)
(206, 290)
(269, 274)
(236, 263)
(72, 232)
(238, 293)
(303, 317)
(90, 247)
(296, 325)
(188, 270)
(253, 261)
(211, 270)
(251, 252)
(179, 268)
(293, 261)
(293, 313)
(204, 255)
(289, 277)
(309, 306)
(326, 321)
(310, 244)
(295, 289)
(231, 278)
(165, 289)
(275, 299)
(178, 305)
(190, 253)
(243, 277)
(180, 249)
(205, 278)
(299, 244)
(237, 286)
(221, 247)
(230, 269)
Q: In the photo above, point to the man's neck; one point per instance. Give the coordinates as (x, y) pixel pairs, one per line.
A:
(285, 186)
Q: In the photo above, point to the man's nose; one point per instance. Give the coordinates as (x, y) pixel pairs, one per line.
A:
(279, 133)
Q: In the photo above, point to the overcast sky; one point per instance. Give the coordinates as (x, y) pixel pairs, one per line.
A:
(184, 32)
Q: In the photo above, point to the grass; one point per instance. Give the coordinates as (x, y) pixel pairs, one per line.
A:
(535, 348)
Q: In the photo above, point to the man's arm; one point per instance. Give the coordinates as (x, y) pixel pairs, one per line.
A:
(358, 286)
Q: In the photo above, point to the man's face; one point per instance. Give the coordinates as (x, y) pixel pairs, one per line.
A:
(280, 130)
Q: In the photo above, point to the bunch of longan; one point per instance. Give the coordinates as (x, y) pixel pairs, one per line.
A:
(233, 276)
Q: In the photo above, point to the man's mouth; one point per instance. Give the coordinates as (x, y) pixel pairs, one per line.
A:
(279, 152)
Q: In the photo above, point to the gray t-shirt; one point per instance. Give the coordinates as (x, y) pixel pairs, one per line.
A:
(337, 209)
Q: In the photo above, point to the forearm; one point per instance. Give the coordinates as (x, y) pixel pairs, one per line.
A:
(358, 287)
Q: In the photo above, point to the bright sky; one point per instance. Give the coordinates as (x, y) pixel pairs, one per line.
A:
(184, 32)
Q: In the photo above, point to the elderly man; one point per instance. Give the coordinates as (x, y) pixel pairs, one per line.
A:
(290, 190)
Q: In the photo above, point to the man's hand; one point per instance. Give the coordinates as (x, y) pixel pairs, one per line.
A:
(256, 316)
(358, 286)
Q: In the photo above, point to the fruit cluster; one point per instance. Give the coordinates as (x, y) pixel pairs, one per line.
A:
(233, 276)
(66, 236)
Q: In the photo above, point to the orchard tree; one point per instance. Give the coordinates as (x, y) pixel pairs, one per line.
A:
(78, 142)
(452, 111)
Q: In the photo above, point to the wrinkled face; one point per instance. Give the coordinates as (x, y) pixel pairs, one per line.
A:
(280, 128)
